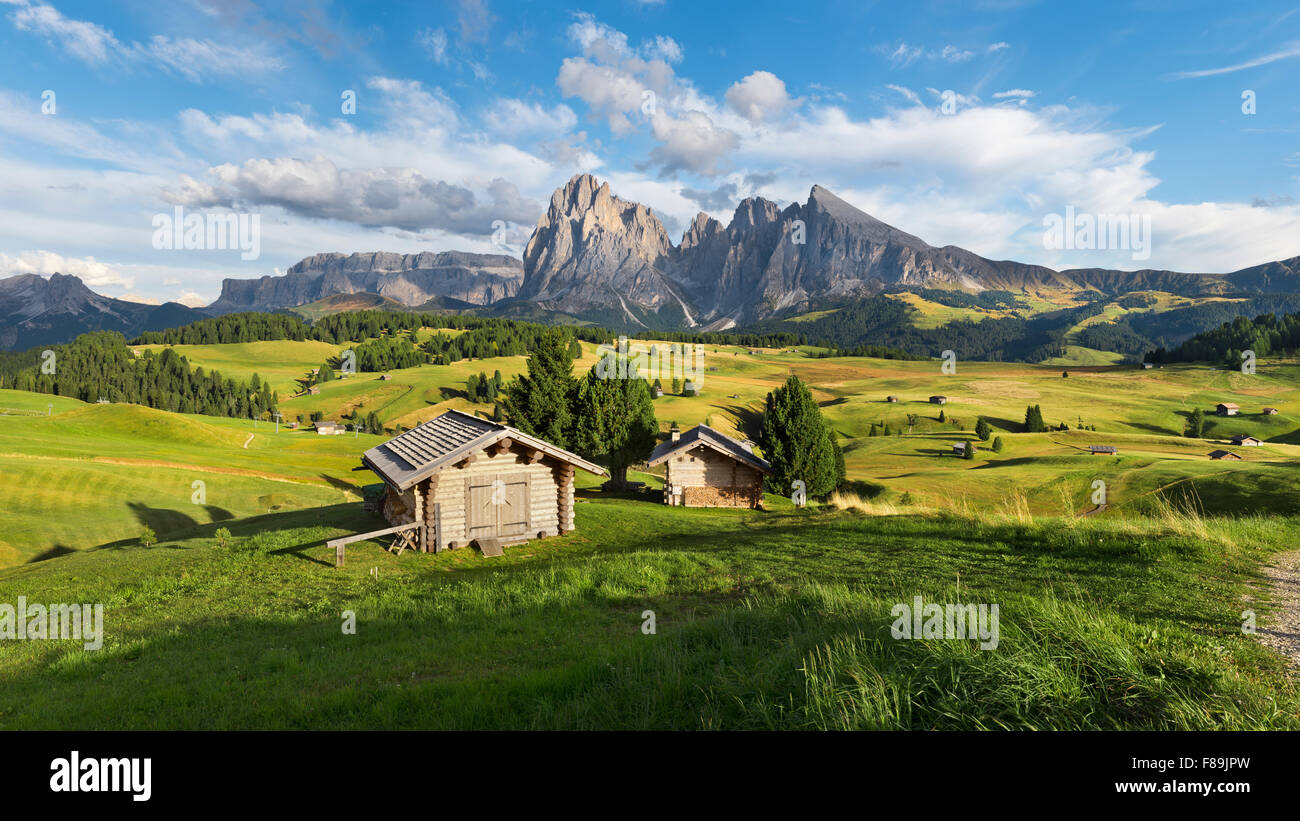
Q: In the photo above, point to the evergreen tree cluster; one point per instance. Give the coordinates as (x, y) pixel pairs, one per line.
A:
(222, 330)
(1034, 420)
(480, 388)
(609, 421)
(388, 353)
(1266, 335)
(100, 365)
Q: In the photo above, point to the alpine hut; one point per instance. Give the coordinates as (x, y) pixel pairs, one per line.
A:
(457, 478)
(705, 468)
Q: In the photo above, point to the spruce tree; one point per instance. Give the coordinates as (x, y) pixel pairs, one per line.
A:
(539, 403)
(983, 429)
(798, 442)
(613, 423)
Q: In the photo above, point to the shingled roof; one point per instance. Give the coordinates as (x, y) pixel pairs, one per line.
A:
(420, 452)
(708, 437)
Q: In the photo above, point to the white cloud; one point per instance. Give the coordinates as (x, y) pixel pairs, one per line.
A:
(1014, 92)
(142, 300)
(690, 142)
(97, 46)
(906, 92)
(434, 42)
(760, 96)
(903, 55)
(516, 118)
(191, 299)
(93, 273)
(1285, 53)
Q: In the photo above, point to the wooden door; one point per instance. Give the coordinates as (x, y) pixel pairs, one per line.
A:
(480, 513)
(497, 506)
(513, 513)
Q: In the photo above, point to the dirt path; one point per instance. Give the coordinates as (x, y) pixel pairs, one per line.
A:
(1283, 631)
(246, 441)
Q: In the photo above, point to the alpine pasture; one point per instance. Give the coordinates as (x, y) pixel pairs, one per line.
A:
(1129, 618)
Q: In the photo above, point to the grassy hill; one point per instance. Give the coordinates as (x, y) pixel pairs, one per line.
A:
(776, 620)
(145, 461)
(764, 619)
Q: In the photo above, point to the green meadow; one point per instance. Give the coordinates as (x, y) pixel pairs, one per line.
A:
(779, 618)
(761, 620)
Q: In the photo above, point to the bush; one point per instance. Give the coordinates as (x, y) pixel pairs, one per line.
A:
(147, 537)
(223, 536)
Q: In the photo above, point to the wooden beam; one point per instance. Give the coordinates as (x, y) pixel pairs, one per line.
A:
(503, 446)
(535, 456)
(338, 544)
(469, 460)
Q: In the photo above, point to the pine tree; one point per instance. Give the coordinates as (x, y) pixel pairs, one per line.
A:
(539, 403)
(613, 423)
(1195, 427)
(798, 442)
(969, 452)
(1034, 420)
(983, 429)
(997, 444)
(942, 417)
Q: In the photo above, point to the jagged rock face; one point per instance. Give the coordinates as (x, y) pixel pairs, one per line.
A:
(411, 279)
(592, 249)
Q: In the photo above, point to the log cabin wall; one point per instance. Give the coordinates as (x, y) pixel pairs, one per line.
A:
(707, 478)
(448, 494)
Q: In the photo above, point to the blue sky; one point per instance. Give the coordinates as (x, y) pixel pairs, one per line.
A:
(472, 112)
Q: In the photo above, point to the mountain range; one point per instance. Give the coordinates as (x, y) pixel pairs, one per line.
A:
(594, 257)
(38, 311)
(601, 258)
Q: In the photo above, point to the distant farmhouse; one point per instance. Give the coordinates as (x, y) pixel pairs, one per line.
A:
(891, 398)
(1243, 440)
(313, 390)
(1226, 409)
(705, 468)
(1270, 411)
(458, 479)
(1147, 366)
(959, 448)
(1224, 454)
(331, 428)
(1105, 450)
(938, 400)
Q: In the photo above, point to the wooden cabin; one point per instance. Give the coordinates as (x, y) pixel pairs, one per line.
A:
(891, 398)
(458, 478)
(1105, 450)
(1224, 454)
(1226, 409)
(331, 428)
(938, 400)
(1242, 440)
(1270, 411)
(704, 468)
(959, 448)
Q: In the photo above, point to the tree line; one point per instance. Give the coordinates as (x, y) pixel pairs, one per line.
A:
(100, 365)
